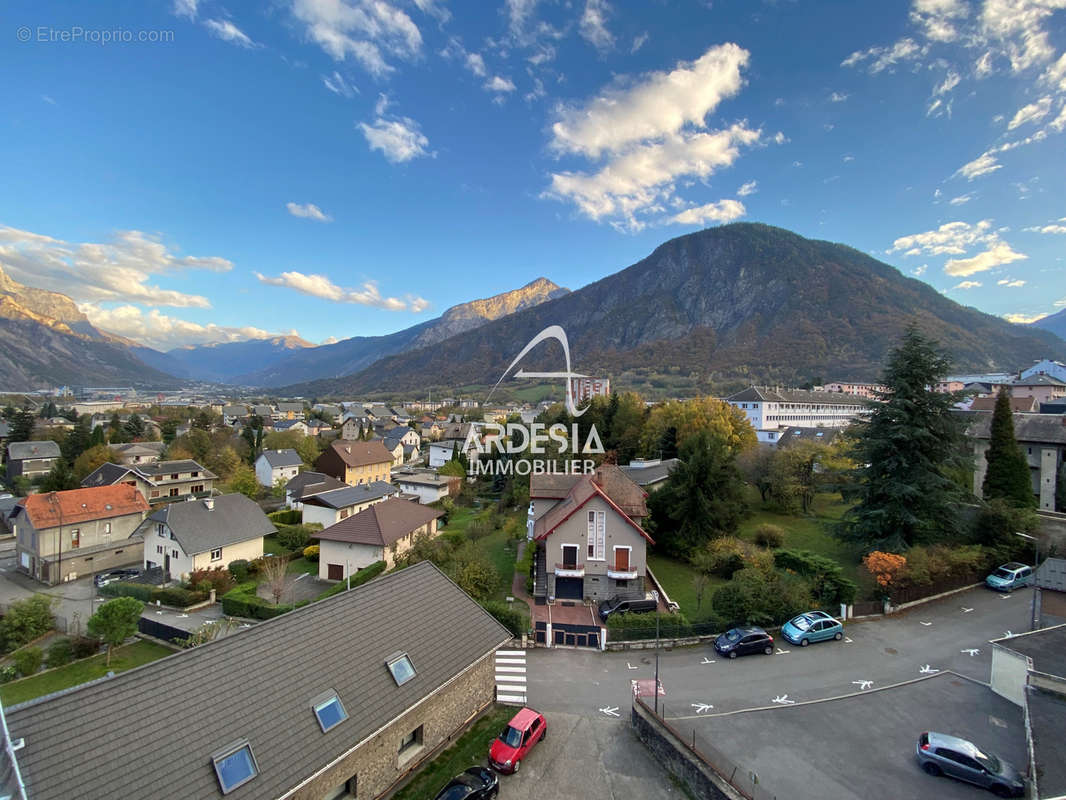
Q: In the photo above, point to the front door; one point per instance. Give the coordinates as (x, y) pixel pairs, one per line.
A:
(166, 566)
(335, 572)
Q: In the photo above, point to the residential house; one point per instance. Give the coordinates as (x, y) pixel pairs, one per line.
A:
(770, 410)
(430, 430)
(289, 411)
(159, 481)
(440, 453)
(650, 473)
(308, 484)
(61, 535)
(355, 427)
(297, 425)
(1056, 369)
(1042, 439)
(956, 383)
(264, 411)
(342, 698)
(277, 465)
(31, 459)
(791, 435)
(327, 410)
(138, 452)
(355, 462)
(7, 505)
(230, 414)
(381, 532)
(427, 485)
(201, 534)
(328, 508)
(590, 543)
(5, 431)
(1041, 387)
(396, 449)
(380, 413)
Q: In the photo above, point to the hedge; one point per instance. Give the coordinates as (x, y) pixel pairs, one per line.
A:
(289, 516)
(506, 616)
(242, 601)
(177, 597)
(358, 579)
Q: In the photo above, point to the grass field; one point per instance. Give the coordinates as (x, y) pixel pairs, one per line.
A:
(469, 749)
(676, 579)
(122, 659)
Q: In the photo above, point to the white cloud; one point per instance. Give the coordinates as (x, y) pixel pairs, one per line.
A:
(962, 198)
(308, 211)
(982, 165)
(848, 157)
(723, 211)
(780, 138)
(748, 188)
(164, 332)
(838, 97)
(951, 238)
(1047, 229)
(660, 104)
(498, 84)
(228, 32)
(1055, 75)
(919, 271)
(185, 8)
(338, 85)
(1017, 27)
(1059, 123)
(48, 99)
(476, 64)
(882, 58)
(998, 253)
(1010, 284)
(398, 138)
(330, 340)
(322, 287)
(1033, 112)
(1023, 319)
(366, 30)
(118, 271)
(968, 285)
(638, 42)
(938, 18)
(593, 26)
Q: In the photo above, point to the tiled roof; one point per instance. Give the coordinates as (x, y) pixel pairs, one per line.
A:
(106, 475)
(381, 524)
(1036, 428)
(621, 490)
(347, 496)
(793, 433)
(1016, 404)
(359, 454)
(550, 486)
(23, 450)
(230, 519)
(271, 673)
(51, 509)
(755, 394)
(282, 458)
(306, 484)
(160, 469)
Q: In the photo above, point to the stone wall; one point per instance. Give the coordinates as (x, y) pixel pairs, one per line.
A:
(377, 764)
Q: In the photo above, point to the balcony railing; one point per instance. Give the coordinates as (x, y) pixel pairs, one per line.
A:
(622, 574)
(570, 570)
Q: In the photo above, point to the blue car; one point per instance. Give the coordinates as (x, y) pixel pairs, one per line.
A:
(814, 626)
(1009, 577)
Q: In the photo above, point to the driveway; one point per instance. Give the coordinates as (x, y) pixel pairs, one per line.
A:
(298, 587)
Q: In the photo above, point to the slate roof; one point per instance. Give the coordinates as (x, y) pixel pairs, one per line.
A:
(160, 469)
(422, 479)
(296, 408)
(234, 411)
(348, 496)
(1024, 404)
(651, 473)
(263, 410)
(763, 394)
(282, 458)
(271, 672)
(18, 451)
(140, 448)
(286, 424)
(793, 434)
(551, 486)
(232, 519)
(106, 474)
(8, 502)
(1036, 428)
(381, 524)
(358, 454)
(1046, 711)
(588, 486)
(82, 505)
(1040, 379)
(306, 484)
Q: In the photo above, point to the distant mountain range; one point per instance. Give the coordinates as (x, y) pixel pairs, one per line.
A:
(742, 302)
(1056, 323)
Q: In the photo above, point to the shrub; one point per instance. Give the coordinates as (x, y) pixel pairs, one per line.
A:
(294, 537)
(642, 626)
(239, 570)
(8, 671)
(829, 587)
(887, 568)
(771, 536)
(479, 529)
(141, 591)
(478, 578)
(25, 620)
(179, 598)
(60, 652)
(289, 516)
(28, 660)
(242, 601)
(311, 553)
(524, 565)
(217, 578)
(506, 616)
(255, 566)
(727, 554)
(756, 597)
(361, 577)
(85, 646)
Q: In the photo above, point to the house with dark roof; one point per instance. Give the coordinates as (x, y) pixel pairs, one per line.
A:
(289, 411)
(138, 452)
(1041, 387)
(159, 481)
(355, 426)
(381, 532)
(202, 534)
(328, 508)
(61, 535)
(1042, 439)
(650, 473)
(277, 465)
(341, 698)
(1017, 404)
(355, 462)
(427, 485)
(588, 535)
(31, 459)
(230, 414)
(770, 410)
(308, 484)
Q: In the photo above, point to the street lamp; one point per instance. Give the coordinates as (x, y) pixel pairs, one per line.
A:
(655, 688)
(59, 536)
(1034, 613)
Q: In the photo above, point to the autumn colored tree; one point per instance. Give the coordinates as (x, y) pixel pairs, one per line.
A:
(92, 459)
(243, 480)
(886, 568)
(690, 417)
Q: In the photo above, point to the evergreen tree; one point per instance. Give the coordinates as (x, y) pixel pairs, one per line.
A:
(667, 444)
(115, 433)
(22, 427)
(134, 427)
(48, 410)
(97, 436)
(77, 441)
(60, 478)
(904, 449)
(1007, 475)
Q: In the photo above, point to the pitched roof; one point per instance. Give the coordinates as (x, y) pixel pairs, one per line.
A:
(794, 433)
(135, 448)
(755, 394)
(203, 525)
(234, 411)
(23, 450)
(1016, 404)
(359, 454)
(158, 469)
(286, 424)
(106, 474)
(1037, 428)
(381, 524)
(306, 484)
(1040, 379)
(51, 509)
(272, 672)
(648, 474)
(347, 496)
(294, 407)
(582, 491)
(282, 458)
(551, 486)
(621, 490)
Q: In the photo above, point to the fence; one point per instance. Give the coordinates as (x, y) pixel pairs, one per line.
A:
(159, 630)
(909, 594)
(668, 629)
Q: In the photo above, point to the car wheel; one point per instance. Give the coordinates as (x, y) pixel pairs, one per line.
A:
(838, 636)
(544, 733)
(495, 793)
(733, 654)
(517, 766)
(931, 769)
(804, 642)
(1000, 791)
(769, 651)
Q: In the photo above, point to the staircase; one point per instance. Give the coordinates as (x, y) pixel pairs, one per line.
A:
(540, 576)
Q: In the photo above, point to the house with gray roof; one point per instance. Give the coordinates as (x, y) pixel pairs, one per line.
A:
(382, 532)
(202, 534)
(138, 452)
(426, 485)
(158, 481)
(230, 414)
(341, 698)
(31, 459)
(308, 484)
(1042, 439)
(327, 508)
(277, 465)
(650, 473)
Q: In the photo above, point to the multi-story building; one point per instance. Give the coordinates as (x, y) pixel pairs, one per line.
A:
(770, 411)
(355, 462)
(584, 387)
(31, 459)
(160, 481)
(1042, 439)
(870, 391)
(1056, 369)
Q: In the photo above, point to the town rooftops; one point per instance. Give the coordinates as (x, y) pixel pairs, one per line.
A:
(306, 484)
(296, 408)
(287, 424)
(381, 524)
(360, 454)
(422, 479)
(1016, 404)
(234, 411)
(348, 496)
(1037, 428)
(204, 525)
(273, 672)
(649, 472)
(106, 474)
(20, 451)
(793, 434)
(761, 394)
(282, 458)
(1039, 379)
(51, 509)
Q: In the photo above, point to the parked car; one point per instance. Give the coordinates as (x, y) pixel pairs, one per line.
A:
(476, 783)
(940, 754)
(814, 626)
(742, 641)
(116, 575)
(1010, 576)
(620, 605)
(525, 729)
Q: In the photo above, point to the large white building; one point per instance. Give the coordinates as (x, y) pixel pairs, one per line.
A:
(771, 411)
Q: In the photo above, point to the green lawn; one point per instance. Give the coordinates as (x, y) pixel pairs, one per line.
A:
(676, 579)
(271, 546)
(122, 659)
(301, 564)
(469, 749)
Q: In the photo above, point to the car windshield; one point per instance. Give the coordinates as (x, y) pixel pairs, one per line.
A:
(512, 737)
(802, 622)
(988, 761)
(1003, 573)
(733, 635)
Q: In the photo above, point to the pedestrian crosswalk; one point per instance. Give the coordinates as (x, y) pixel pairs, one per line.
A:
(511, 676)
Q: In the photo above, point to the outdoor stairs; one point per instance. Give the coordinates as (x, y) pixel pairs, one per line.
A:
(511, 677)
(540, 575)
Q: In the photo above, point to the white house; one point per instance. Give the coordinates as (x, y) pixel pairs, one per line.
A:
(307, 484)
(440, 453)
(328, 508)
(771, 410)
(429, 486)
(277, 465)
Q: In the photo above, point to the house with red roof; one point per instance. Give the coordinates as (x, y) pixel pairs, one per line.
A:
(60, 536)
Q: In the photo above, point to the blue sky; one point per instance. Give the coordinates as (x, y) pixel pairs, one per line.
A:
(199, 171)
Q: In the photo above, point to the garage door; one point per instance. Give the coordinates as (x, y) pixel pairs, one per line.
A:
(569, 588)
(335, 572)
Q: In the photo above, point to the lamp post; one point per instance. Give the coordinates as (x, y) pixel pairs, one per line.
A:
(655, 688)
(1034, 621)
(52, 501)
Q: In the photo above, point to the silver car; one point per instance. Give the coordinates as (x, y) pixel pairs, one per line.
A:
(940, 754)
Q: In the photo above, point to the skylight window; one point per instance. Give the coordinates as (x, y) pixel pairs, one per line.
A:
(330, 711)
(235, 766)
(401, 668)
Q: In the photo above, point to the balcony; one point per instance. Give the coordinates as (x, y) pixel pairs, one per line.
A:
(620, 573)
(569, 570)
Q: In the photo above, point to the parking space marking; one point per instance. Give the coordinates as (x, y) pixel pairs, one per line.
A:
(630, 666)
(863, 685)
(927, 670)
(701, 708)
(848, 640)
(610, 711)
(781, 652)
(926, 624)
(972, 651)
(708, 661)
(1004, 597)
(783, 700)
(966, 610)
(1007, 635)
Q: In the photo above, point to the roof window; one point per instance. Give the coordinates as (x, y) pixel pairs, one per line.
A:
(235, 765)
(329, 710)
(401, 668)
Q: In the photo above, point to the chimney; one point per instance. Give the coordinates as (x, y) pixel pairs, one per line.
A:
(209, 503)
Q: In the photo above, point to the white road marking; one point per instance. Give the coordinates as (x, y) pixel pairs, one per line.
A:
(781, 652)
(301, 576)
(708, 661)
(510, 661)
(1007, 635)
(246, 625)
(702, 707)
(783, 700)
(848, 640)
(610, 711)
(972, 651)
(510, 679)
(183, 616)
(511, 669)
(159, 613)
(510, 652)
(630, 666)
(926, 624)
(863, 685)
(966, 610)
(511, 698)
(928, 670)
(1004, 597)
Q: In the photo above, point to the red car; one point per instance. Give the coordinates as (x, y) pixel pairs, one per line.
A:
(516, 740)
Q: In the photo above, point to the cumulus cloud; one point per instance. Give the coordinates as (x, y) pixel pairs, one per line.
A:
(1052, 228)
(967, 285)
(365, 30)
(722, 211)
(951, 238)
(164, 332)
(838, 97)
(500, 85)
(962, 198)
(399, 139)
(1033, 112)
(117, 271)
(1010, 284)
(593, 26)
(228, 32)
(997, 254)
(308, 211)
(322, 287)
(747, 188)
(185, 8)
(476, 64)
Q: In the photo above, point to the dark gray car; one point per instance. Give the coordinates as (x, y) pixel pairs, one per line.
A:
(940, 754)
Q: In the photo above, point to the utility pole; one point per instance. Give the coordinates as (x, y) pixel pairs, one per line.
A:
(1034, 611)
(655, 688)
(52, 501)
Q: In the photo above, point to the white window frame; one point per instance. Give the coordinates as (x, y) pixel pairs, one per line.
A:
(577, 558)
(614, 561)
(596, 537)
(216, 557)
